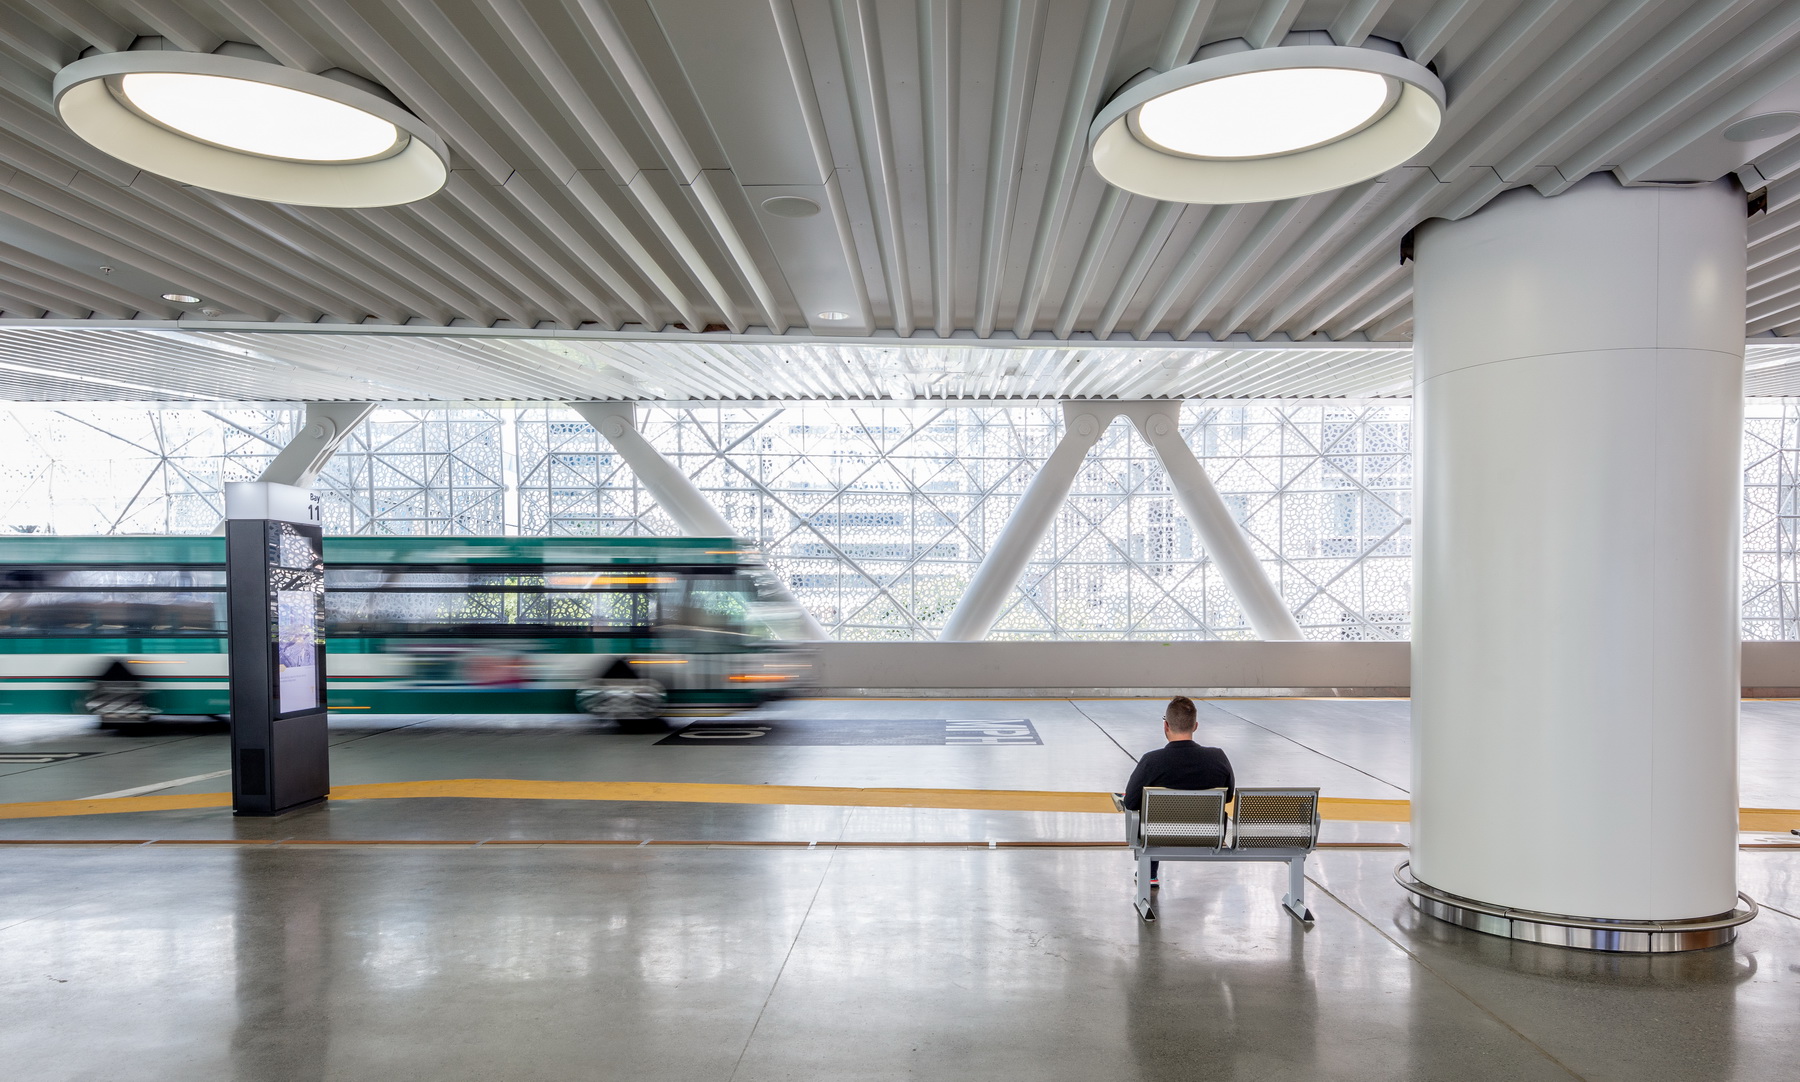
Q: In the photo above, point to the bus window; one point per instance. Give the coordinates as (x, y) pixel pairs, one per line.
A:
(726, 608)
(384, 602)
(112, 602)
(778, 614)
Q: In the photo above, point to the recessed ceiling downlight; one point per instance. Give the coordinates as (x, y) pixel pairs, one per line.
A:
(251, 128)
(181, 298)
(1258, 125)
(256, 118)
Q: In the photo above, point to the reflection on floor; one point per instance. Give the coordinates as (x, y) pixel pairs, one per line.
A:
(347, 961)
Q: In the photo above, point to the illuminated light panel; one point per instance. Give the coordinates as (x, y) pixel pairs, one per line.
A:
(1261, 125)
(259, 118)
(1261, 114)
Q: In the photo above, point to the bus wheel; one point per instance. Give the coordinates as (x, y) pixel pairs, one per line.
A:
(637, 705)
(119, 703)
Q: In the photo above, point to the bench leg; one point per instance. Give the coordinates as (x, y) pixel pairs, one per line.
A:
(1143, 887)
(1295, 901)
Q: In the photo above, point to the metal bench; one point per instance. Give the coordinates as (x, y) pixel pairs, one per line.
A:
(1191, 824)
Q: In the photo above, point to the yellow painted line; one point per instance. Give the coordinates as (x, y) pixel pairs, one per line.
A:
(45, 809)
(706, 793)
(1343, 809)
(1772, 819)
(1365, 811)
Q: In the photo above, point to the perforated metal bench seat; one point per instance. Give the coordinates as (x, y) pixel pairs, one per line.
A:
(1264, 825)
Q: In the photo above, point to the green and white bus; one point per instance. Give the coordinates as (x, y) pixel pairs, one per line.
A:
(629, 629)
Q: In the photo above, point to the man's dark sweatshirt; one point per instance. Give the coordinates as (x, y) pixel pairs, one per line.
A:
(1183, 764)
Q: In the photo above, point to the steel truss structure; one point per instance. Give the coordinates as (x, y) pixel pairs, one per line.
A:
(877, 516)
(1771, 562)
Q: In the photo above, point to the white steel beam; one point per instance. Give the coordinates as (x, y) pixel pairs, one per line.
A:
(322, 432)
(1223, 539)
(994, 580)
(672, 490)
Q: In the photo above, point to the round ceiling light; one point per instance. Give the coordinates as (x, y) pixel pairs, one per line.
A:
(1257, 125)
(1761, 126)
(251, 128)
(181, 298)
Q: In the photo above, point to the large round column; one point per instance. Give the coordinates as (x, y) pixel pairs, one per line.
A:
(1579, 397)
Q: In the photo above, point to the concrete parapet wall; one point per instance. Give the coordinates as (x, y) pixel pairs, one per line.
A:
(1771, 670)
(1122, 668)
(1112, 668)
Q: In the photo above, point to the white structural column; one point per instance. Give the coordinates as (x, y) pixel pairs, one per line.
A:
(322, 432)
(1220, 534)
(994, 580)
(1579, 397)
(672, 490)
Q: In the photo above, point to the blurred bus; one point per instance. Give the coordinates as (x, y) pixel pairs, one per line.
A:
(628, 629)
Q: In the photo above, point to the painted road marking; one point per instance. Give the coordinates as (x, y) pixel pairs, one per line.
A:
(11, 758)
(142, 789)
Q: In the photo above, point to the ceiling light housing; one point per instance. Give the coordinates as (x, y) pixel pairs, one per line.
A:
(251, 128)
(1245, 125)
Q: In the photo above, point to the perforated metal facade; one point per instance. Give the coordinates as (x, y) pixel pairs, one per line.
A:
(877, 516)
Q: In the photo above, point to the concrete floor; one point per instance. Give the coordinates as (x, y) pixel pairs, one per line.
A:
(354, 962)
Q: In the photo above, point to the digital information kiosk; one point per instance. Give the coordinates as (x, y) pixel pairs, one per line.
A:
(275, 599)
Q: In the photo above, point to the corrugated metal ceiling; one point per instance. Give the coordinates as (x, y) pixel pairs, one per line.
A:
(615, 160)
(130, 364)
(58, 364)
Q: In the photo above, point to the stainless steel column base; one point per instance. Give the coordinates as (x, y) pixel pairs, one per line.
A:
(1580, 933)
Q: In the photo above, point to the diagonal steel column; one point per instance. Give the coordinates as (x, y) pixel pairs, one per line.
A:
(994, 580)
(669, 487)
(321, 433)
(1220, 535)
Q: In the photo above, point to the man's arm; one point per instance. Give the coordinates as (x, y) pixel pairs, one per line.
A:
(1134, 789)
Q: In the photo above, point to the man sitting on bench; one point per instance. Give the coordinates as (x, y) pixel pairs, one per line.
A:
(1182, 764)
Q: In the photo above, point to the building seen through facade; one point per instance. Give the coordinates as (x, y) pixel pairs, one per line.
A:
(877, 516)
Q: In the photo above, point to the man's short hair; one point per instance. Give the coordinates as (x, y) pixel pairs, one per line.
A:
(1180, 715)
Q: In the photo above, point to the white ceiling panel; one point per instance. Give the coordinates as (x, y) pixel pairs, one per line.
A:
(45, 363)
(174, 364)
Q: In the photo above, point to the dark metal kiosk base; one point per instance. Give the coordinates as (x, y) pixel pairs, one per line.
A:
(1623, 936)
(275, 594)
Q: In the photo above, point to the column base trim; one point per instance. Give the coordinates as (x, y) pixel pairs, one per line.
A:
(1553, 929)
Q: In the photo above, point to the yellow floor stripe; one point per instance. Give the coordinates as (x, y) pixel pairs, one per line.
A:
(1365, 811)
(1771, 819)
(702, 793)
(46, 809)
(1344, 809)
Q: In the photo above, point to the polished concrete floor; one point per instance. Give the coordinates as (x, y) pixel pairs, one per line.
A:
(694, 962)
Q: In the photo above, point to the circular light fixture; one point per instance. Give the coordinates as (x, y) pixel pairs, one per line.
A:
(790, 206)
(181, 298)
(251, 128)
(1762, 126)
(1258, 125)
(834, 317)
